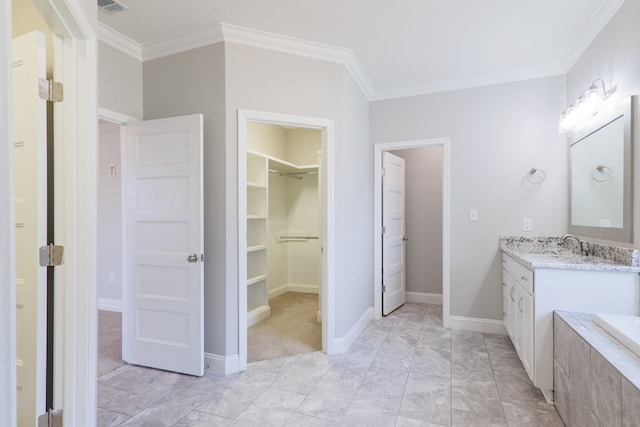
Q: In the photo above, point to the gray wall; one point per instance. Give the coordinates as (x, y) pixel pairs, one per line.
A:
(188, 83)
(423, 218)
(119, 81)
(614, 56)
(109, 213)
(282, 83)
(497, 133)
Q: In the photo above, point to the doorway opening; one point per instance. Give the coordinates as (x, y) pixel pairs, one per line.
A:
(424, 297)
(284, 197)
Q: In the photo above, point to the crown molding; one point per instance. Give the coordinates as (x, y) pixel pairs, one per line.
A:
(597, 21)
(468, 82)
(118, 41)
(276, 42)
(181, 43)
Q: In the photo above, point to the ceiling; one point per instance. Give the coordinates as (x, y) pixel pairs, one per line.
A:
(402, 47)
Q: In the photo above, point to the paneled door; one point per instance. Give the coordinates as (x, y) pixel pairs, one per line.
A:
(393, 223)
(30, 180)
(163, 316)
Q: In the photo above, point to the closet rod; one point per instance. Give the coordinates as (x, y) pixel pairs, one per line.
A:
(293, 174)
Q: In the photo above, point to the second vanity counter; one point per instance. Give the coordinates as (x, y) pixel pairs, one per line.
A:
(541, 276)
(548, 252)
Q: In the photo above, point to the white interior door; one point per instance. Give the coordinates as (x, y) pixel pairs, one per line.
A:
(163, 316)
(30, 173)
(393, 193)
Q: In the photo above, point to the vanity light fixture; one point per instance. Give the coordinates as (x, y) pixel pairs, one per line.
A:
(585, 107)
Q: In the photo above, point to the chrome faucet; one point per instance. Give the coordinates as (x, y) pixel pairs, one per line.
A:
(578, 243)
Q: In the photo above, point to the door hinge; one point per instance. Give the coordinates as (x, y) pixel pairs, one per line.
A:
(381, 171)
(384, 289)
(384, 229)
(52, 418)
(201, 257)
(50, 90)
(51, 255)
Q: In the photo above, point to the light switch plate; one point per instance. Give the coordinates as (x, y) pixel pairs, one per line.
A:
(473, 215)
(527, 224)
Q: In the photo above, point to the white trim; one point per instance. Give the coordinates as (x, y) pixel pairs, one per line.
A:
(276, 292)
(221, 364)
(115, 117)
(446, 85)
(264, 40)
(326, 232)
(257, 315)
(7, 222)
(303, 288)
(124, 44)
(110, 304)
(424, 298)
(343, 343)
(182, 43)
(446, 220)
(293, 287)
(598, 19)
(489, 326)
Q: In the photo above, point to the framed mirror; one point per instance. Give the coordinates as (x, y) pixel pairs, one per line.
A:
(601, 175)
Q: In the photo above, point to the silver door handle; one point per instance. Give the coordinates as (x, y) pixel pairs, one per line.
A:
(192, 258)
(405, 238)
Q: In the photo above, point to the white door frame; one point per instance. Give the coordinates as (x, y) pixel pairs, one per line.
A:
(377, 220)
(75, 156)
(326, 231)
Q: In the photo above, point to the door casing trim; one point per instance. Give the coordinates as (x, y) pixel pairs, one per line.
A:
(378, 149)
(329, 344)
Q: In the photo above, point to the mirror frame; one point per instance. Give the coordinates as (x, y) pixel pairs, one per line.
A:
(626, 110)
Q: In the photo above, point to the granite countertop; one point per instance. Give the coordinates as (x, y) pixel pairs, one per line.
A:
(547, 252)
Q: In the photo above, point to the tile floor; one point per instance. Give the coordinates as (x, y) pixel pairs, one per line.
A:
(404, 370)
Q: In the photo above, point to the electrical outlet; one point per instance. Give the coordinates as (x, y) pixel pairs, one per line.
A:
(473, 215)
(527, 224)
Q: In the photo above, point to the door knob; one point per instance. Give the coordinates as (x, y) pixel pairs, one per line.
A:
(192, 258)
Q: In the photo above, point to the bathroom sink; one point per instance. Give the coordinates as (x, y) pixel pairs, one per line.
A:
(625, 329)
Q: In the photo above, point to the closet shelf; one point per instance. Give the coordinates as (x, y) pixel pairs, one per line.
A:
(284, 166)
(256, 248)
(256, 279)
(256, 217)
(256, 185)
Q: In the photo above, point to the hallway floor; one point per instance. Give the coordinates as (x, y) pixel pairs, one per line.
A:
(404, 370)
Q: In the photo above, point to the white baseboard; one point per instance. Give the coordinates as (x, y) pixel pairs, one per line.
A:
(257, 315)
(307, 289)
(477, 325)
(341, 345)
(293, 287)
(221, 364)
(276, 292)
(424, 298)
(110, 304)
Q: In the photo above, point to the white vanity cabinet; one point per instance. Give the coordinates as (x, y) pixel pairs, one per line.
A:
(531, 295)
(517, 282)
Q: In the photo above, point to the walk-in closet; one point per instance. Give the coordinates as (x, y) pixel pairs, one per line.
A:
(283, 245)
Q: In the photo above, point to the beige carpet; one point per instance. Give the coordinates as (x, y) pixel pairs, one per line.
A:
(109, 341)
(291, 329)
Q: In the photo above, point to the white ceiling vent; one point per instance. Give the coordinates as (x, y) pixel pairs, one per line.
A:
(111, 6)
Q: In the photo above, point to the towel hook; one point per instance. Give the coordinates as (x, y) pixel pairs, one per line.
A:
(601, 173)
(536, 176)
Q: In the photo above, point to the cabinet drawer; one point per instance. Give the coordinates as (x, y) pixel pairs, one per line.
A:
(525, 278)
(519, 272)
(511, 265)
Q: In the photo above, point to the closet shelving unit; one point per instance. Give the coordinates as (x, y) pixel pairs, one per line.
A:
(257, 217)
(258, 167)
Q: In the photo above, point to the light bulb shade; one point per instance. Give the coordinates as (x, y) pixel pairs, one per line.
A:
(593, 98)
